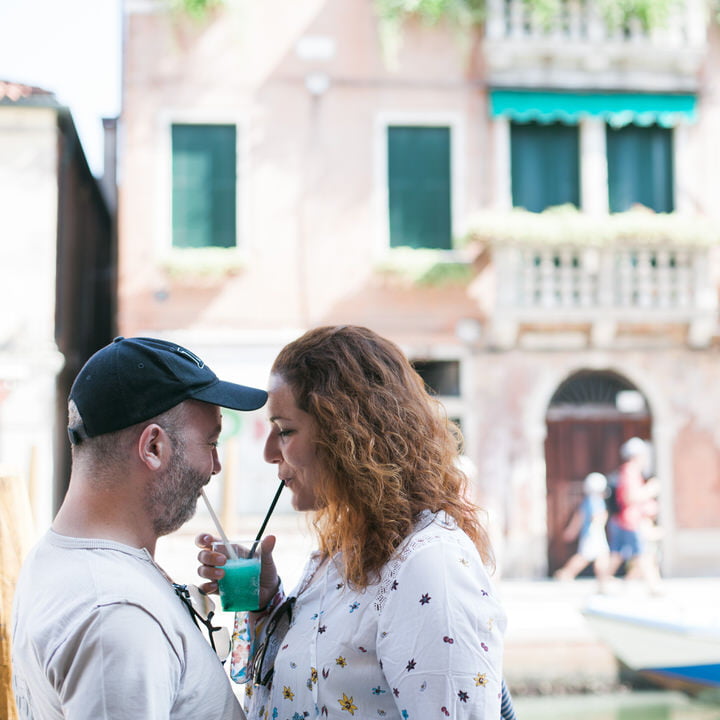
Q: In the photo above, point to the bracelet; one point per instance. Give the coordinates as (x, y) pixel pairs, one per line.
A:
(272, 598)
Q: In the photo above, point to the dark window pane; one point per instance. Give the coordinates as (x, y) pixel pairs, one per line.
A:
(442, 377)
(544, 168)
(203, 185)
(419, 187)
(640, 168)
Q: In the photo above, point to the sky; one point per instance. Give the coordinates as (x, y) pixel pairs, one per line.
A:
(71, 48)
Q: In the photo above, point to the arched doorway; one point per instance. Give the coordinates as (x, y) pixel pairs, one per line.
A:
(589, 417)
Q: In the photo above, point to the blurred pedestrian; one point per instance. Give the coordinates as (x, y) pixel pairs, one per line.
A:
(635, 510)
(588, 525)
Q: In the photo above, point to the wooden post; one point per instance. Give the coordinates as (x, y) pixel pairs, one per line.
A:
(16, 532)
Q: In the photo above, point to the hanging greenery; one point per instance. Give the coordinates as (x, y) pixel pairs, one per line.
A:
(462, 12)
(469, 13)
(196, 9)
(650, 13)
(464, 15)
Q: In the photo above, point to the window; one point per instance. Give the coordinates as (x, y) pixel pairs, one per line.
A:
(441, 377)
(419, 187)
(204, 183)
(640, 168)
(544, 165)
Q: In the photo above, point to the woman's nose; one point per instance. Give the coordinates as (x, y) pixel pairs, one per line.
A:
(271, 453)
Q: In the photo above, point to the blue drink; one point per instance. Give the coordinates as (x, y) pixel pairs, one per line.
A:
(240, 586)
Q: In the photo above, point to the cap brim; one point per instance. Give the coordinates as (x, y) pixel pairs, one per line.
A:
(233, 396)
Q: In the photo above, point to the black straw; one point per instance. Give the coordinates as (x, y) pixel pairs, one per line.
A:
(267, 517)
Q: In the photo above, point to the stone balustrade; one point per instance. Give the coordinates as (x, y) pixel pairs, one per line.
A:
(523, 49)
(603, 288)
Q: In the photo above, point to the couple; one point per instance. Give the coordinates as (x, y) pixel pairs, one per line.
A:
(395, 615)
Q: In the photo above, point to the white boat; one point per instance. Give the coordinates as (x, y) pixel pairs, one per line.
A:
(673, 645)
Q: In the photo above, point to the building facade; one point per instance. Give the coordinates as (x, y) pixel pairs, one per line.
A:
(57, 285)
(527, 208)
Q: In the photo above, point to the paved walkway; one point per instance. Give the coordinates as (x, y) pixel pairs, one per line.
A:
(549, 645)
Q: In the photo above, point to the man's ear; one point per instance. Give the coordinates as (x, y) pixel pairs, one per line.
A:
(154, 447)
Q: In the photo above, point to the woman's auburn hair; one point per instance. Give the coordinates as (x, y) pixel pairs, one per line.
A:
(387, 448)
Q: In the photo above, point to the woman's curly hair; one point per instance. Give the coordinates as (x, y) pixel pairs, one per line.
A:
(387, 447)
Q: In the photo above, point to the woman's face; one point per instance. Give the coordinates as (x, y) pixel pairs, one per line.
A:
(291, 445)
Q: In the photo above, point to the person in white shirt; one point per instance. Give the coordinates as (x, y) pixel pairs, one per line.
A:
(395, 615)
(99, 630)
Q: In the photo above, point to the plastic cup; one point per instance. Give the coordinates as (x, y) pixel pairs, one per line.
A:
(240, 587)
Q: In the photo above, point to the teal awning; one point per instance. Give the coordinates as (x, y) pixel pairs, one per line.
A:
(617, 109)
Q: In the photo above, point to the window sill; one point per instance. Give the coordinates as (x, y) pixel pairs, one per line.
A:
(426, 267)
(202, 265)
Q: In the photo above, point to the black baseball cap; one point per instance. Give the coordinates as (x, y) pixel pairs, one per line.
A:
(135, 379)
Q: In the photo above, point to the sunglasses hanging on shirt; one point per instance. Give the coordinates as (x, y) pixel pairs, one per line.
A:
(202, 611)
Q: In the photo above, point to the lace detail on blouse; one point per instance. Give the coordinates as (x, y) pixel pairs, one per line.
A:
(407, 548)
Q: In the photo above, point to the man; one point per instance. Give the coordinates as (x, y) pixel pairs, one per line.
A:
(99, 630)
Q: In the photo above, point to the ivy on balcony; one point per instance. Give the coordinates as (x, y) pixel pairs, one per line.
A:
(469, 13)
(565, 225)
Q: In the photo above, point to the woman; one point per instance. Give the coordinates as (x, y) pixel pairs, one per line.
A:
(394, 616)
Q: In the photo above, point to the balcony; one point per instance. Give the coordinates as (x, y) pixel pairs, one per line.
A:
(568, 280)
(579, 48)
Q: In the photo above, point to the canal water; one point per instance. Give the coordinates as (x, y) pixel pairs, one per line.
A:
(638, 705)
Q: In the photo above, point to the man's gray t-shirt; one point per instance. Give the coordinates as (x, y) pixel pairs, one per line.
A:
(98, 632)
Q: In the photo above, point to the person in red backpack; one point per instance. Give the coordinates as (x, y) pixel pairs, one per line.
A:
(636, 506)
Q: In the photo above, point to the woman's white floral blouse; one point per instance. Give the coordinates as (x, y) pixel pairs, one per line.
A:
(423, 643)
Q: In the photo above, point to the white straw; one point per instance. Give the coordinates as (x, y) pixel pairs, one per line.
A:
(224, 537)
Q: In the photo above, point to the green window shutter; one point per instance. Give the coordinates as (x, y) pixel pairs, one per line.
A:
(419, 189)
(204, 186)
(640, 168)
(544, 165)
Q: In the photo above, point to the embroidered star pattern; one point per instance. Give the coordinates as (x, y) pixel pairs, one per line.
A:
(425, 599)
(463, 696)
(411, 665)
(481, 680)
(347, 704)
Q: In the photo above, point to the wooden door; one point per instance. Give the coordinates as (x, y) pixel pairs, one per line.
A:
(577, 444)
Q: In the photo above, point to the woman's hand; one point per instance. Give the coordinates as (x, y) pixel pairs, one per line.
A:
(269, 579)
(210, 560)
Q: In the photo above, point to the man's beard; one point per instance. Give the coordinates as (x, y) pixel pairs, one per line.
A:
(173, 498)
